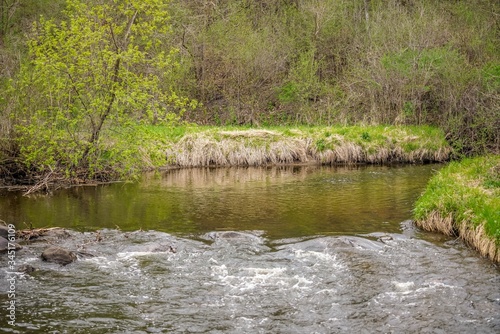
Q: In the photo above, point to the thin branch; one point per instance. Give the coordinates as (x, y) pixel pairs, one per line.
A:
(184, 42)
(113, 38)
(73, 84)
(42, 183)
(97, 130)
(129, 27)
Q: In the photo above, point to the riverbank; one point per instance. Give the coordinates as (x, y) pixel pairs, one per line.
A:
(463, 200)
(235, 146)
(127, 152)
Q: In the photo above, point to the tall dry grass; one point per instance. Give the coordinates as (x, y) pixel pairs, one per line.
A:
(264, 147)
(474, 236)
(197, 150)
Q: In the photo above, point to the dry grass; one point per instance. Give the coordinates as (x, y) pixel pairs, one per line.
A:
(239, 148)
(435, 222)
(266, 147)
(477, 238)
(345, 152)
(474, 236)
(249, 133)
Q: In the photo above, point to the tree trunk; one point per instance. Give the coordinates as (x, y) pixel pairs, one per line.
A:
(96, 131)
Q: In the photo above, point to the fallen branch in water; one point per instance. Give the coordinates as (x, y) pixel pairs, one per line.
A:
(35, 233)
(44, 183)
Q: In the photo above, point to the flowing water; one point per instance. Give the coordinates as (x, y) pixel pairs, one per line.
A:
(248, 250)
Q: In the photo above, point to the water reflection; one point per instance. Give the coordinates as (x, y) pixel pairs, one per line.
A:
(284, 201)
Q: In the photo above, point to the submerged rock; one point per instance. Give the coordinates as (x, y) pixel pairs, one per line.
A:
(232, 235)
(57, 232)
(4, 231)
(362, 243)
(58, 255)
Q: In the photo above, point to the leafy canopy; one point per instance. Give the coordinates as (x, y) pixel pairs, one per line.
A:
(103, 67)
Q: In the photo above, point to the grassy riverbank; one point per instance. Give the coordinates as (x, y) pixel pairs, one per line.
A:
(463, 199)
(128, 151)
(192, 146)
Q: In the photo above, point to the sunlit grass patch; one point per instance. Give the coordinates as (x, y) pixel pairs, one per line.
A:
(464, 199)
(230, 148)
(149, 147)
(223, 146)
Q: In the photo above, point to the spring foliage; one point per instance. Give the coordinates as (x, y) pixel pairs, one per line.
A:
(346, 62)
(103, 67)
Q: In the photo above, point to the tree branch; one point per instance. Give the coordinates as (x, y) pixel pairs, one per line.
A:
(96, 131)
(129, 27)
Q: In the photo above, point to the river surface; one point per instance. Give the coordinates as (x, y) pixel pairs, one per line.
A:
(247, 250)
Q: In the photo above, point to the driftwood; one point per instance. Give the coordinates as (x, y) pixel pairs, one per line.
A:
(52, 181)
(42, 184)
(16, 178)
(35, 233)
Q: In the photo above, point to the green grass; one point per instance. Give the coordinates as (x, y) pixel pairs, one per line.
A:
(469, 193)
(158, 146)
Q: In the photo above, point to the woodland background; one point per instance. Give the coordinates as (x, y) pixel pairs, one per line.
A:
(258, 63)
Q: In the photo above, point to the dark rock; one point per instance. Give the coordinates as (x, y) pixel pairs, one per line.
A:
(4, 231)
(58, 255)
(26, 268)
(4, 245)
(231, 235)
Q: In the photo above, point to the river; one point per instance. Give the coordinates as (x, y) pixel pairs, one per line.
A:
(296, 249)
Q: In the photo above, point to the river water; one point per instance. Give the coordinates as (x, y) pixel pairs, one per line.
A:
(248, 250)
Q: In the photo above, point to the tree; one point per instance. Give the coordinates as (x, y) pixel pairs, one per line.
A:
(104, 66)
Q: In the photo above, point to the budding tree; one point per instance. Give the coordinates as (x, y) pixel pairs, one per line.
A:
(105, 65)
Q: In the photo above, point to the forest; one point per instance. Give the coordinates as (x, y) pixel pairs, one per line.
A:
(76, 74)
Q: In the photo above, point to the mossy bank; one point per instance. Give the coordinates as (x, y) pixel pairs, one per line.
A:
(463, 199)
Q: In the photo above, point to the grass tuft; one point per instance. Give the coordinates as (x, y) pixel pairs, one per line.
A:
(320, 145)
(463, 199)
